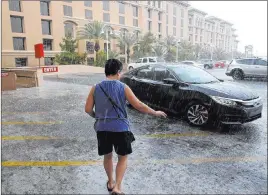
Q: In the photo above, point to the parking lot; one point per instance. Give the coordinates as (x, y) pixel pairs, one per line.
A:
(49, 146)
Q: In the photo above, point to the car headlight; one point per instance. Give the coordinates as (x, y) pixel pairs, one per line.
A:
(224, 101)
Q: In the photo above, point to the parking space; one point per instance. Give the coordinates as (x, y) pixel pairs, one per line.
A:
(49, 146)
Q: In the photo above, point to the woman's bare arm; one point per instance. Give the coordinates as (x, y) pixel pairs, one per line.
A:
(90, 103)
(137, 104)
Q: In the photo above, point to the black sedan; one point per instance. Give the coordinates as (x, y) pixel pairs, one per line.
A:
(193, 93)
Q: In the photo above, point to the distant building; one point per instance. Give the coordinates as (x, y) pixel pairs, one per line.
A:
(249, 51)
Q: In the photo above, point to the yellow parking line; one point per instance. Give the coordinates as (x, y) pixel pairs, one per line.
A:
(28, 138)
(31, 122)
(176, 135)
(140, 161)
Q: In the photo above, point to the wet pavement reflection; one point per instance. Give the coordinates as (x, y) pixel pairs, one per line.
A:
(49, 146)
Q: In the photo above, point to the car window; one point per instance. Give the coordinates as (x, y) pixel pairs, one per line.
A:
(139, 60)
(260, 62)
(189, 63)
(145, 73)
(161, 73)
(152, 60)
(160, 60)
(245, 61)
(191, 74)
(144, 60)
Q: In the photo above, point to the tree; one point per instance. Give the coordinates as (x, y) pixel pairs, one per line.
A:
(68, 54)
(159, 49)
(113, 55)
(219, 54)
(170, 44)
(186, 51)
(92, 31)
(126, 40)
(143, 47)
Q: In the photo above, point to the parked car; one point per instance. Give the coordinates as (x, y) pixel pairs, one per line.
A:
(247, 68)
(208, 64)
(221, 64)
(194, 93)
(193, 63)
(143, 61)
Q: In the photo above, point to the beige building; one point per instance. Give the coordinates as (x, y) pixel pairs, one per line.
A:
(27, 23)
(210, 31)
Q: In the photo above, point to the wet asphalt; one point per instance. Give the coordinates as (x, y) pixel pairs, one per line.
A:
(48, 125)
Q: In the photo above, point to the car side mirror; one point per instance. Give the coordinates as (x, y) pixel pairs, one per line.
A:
(170, 81)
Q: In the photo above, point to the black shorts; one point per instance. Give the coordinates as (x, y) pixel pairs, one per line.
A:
(121, 141)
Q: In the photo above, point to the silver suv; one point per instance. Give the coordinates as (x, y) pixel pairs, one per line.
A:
(247, 68)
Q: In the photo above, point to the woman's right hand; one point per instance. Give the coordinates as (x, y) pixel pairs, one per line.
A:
(160, 114)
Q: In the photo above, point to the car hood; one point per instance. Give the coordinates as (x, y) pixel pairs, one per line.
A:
(227, 90)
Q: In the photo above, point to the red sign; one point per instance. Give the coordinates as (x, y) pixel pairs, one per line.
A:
(50, 69)
(39, 50)
(4, 74)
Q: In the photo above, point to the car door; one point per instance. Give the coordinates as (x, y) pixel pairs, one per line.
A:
(260, 66)
(141, 81)
(247, 65)
(152, 60)
(163, 95)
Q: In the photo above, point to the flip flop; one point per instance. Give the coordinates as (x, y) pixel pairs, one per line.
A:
(109, 189)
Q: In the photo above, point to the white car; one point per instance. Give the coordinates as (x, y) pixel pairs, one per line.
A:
(144, 61)
(193, 63)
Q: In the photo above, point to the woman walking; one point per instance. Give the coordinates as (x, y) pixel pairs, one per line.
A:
(112, 125)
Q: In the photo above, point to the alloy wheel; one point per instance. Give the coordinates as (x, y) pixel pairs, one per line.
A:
(197, 114)
(237, 75)
(130, 68)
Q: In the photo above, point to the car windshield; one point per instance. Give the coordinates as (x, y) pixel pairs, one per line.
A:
(194, 75)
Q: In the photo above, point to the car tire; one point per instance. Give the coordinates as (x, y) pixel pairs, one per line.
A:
(206, 66)
(130, 68)
(197, 114)
(238, 75)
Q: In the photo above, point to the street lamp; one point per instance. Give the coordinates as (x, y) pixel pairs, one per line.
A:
(177, 52)
(107, 42)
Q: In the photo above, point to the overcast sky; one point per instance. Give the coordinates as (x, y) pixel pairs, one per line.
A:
(248, 17)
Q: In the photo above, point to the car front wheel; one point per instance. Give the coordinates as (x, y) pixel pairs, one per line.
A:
(197, 114)
(130, 68)
(238, 75)
(206, 66)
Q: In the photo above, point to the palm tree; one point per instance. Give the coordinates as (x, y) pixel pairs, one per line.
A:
(170, 42)
(144, 44)
(186, 51)
(219, 54)
(126, 40)
(93, 31)
(113, 55)
(160, 49)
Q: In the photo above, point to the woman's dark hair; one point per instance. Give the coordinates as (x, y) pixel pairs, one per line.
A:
(112, 67)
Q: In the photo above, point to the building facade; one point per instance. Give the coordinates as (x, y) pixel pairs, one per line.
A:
(31, 22)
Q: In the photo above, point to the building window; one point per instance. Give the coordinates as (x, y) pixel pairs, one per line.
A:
(68, 1)
(106, 17)
(90, 47)
(174, 11)
(182, 22)
(19, 43)
(135, 11)
(159, 4)
(68, 10)
(159, 27)
(159, 36)
(44, 8)
(166, 7)
(88, 14)
(190, 21)
(174, 21)
(106, 5)
(181, 32)
(200, 39)
(121, 8)
(47, 44)
(16, 24)
(149, 13)
(149, 25)
(46, 27)
(135, 22)
(49, 61)
(14, 5)
(69, 29)
(174, 31)
(196, 39)
(159, 16)
(167, 19)
(121, 20)
(88, 3)
(20, 62)
(90, 61)
(182, 13)
(167, 30)
(105, 47)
